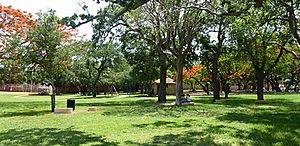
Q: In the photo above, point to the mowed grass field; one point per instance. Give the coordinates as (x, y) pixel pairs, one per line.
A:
(138, 120)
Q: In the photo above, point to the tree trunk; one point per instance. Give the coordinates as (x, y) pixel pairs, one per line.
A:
(205, 88)
(149, 89)
(296, 87)
(245, 87)
(275, 85)
(53, 98)
(215, 78)
(95, 83)
(268, 85)
(94, 90)
(226, 89)
(239, 86)
(142, 88)
(179, 78)
(84, 90)
(215, 66)
(260, 76)
(162, 85)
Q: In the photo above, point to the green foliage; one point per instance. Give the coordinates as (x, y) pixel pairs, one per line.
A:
(256, 32)
(141, 56)
(11, 64)
(106, 60)
(45, 57)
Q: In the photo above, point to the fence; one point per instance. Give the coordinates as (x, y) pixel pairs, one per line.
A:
(22, 88)
(44, 89)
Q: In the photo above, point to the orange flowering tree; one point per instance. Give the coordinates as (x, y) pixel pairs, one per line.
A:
(197, 74)
(14, 25)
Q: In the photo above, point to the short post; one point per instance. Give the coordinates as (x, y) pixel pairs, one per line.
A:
(92, 108)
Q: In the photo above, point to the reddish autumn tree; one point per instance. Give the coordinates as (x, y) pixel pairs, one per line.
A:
(197, 74)
(14, 24)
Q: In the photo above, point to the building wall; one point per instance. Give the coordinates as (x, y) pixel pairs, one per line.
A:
(170, 90)
(188, 86)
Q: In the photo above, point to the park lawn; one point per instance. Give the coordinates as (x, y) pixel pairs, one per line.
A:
(138, 120)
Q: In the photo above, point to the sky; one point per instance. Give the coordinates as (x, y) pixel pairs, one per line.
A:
(63, 8)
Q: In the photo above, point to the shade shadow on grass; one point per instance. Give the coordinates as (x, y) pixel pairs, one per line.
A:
(25, 113)
(13, 109)
(217, 134)
(161, 124)
(143, 103)
(234, 102)
(152, 109)
(51, 136)
(188, 138)
(283, 128)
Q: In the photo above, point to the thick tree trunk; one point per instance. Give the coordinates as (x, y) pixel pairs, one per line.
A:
(162, 85)
(179, 78)
(226, 89)
(226, 95)
(215, 78)
(260, 77)
(53, 98)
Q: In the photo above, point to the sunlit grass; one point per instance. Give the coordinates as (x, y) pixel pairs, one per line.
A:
(138, 120)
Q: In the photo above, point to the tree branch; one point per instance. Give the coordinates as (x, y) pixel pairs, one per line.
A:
(125, 9)
(293, 53)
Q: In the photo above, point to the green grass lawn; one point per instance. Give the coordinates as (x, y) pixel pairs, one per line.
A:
(138, 120)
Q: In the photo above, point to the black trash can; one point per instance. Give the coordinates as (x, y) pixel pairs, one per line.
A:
(71, 103)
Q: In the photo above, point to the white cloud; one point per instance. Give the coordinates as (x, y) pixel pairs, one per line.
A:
(63, 8)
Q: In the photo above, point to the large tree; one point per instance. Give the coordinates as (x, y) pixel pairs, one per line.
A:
(141, 31)
(255, 36)
(94, 60)
(46, 52)
(176, 27)
(220, 16)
